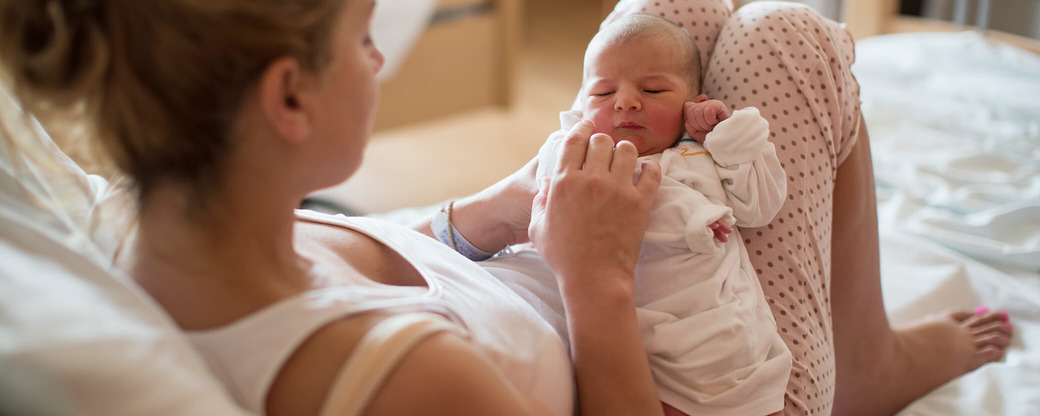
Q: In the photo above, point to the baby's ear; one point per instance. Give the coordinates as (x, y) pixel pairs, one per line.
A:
(700, 98)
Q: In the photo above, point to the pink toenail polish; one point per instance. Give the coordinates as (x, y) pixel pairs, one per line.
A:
(1004, 314)
(981, 310)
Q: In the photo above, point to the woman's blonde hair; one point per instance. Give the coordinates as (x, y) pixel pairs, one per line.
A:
(159, 81)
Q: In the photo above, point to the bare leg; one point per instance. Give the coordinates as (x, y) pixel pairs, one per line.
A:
(818, 260)
(881, 370)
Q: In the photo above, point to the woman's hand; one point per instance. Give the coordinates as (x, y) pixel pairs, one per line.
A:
(590, 216)
(588, 222)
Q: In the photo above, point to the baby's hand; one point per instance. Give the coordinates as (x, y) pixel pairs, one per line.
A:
(721, 230)
(701, 115)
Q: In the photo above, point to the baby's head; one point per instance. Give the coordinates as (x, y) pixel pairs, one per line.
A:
(639, 70)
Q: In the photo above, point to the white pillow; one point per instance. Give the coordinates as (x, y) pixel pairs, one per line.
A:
(74, 337)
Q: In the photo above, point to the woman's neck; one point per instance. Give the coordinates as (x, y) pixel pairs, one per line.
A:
(244, 241)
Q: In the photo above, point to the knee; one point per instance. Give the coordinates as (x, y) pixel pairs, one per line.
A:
(759, 15)
(788, 27)
(806, 47)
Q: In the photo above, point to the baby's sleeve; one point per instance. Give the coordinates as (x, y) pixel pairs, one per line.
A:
(549, 151)
(681, 218)
(751, 174)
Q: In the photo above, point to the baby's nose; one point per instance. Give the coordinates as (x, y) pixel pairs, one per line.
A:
(627, 102)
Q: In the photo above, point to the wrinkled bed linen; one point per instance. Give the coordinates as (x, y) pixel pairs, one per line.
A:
(954, 126)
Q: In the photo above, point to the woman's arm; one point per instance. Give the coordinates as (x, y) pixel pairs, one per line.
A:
(588, 222)
(445, 375)
(495, 217)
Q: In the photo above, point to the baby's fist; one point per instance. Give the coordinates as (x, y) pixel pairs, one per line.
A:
(702, 115)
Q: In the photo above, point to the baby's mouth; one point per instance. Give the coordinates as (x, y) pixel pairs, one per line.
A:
(629, 125)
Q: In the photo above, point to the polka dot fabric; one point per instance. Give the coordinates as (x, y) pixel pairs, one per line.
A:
(793, 65)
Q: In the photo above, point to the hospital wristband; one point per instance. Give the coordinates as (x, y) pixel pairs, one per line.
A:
(450, 236)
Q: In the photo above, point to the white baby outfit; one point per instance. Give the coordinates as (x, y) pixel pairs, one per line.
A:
(247, 354)
(709, 334)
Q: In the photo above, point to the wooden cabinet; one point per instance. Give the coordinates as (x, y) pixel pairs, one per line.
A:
(463, 61)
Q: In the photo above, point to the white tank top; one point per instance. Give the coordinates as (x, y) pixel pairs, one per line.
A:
(247, 354)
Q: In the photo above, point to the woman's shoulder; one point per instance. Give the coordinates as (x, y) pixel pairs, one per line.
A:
(391, 364)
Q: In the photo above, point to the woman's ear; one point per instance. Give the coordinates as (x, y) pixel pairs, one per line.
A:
(282, 99)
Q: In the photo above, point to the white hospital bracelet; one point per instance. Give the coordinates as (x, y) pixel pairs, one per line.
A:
(450, 236)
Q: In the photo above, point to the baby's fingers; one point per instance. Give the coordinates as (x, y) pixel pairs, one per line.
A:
(709, 118)
(719, 111)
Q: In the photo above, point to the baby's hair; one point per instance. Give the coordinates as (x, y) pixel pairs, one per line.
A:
(639, 27)
(159, 82)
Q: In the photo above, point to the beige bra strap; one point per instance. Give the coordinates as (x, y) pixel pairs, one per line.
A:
(375, 357)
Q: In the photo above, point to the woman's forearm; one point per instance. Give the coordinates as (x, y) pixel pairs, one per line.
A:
(495, 217)
(610, 364)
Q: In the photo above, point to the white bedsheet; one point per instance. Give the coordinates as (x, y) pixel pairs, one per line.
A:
(954, 124)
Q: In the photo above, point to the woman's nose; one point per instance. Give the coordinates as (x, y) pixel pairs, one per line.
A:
(627, 101)
(377, 59)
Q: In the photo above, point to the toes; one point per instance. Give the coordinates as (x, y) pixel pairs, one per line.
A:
(991, 353)
(998, 326)
(960, 315)
(986, 318)
(992, 339)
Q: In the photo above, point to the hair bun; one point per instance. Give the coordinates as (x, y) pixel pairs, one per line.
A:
(54, 50)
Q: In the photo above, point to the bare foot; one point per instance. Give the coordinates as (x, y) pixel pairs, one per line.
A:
(956, 341)
(941, 347)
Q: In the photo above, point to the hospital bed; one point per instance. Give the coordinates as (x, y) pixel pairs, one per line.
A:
(955, 132)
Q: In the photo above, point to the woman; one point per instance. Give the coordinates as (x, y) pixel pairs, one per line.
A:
(226, 113)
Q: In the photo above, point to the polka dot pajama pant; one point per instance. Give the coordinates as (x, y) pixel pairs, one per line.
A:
(793, 65)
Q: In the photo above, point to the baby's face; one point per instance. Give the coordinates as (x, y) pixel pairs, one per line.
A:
(634, 92)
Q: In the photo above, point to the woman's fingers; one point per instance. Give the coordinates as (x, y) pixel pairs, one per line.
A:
(624, 159)
(649, 180)
(575, 146)
(600, 153)
(583, 150)
(595, 153)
